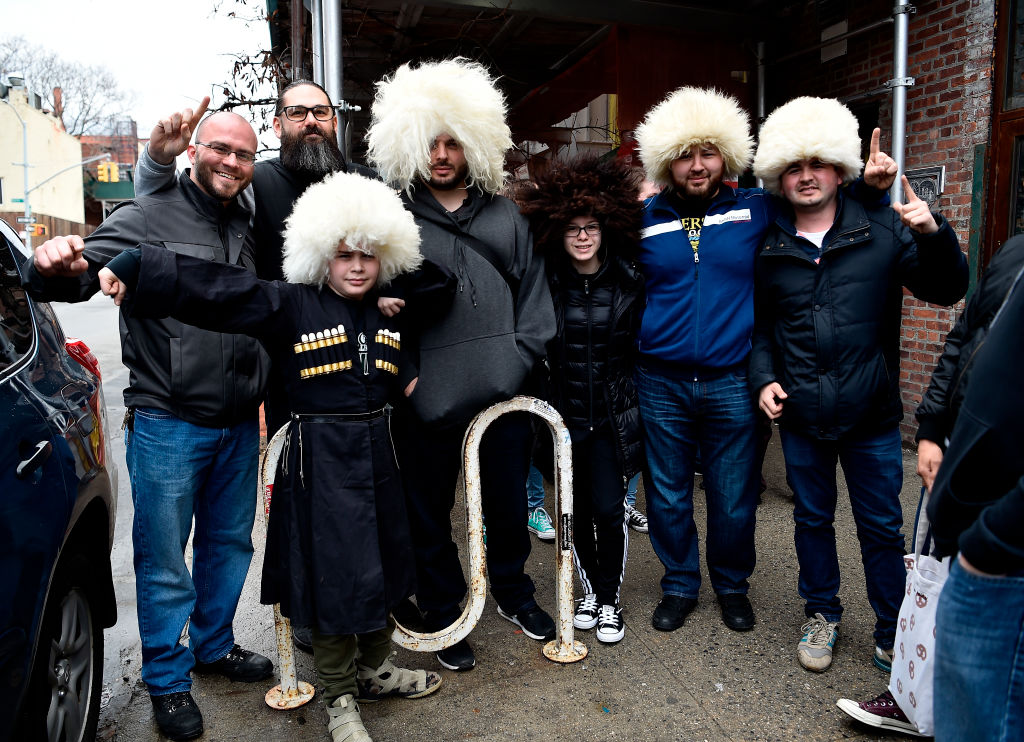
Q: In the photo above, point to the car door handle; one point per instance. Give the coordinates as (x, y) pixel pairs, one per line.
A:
(39, 456)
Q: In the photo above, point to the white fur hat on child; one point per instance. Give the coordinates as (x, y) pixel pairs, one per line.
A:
(365, 213)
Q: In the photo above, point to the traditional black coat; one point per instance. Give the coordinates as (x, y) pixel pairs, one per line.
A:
(338, 552)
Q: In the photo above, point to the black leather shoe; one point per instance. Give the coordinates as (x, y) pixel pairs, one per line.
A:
(671, 612)
(736, 611)
(239, 664)
(177, 716)
(302, 638)
(458, 657)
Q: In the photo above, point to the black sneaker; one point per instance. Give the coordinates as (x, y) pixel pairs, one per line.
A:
(671, 612)
(533, 620)
(239, 664)
(177, 716)
(458, 657)
(302, 638)
(610, 628)
(737, 612)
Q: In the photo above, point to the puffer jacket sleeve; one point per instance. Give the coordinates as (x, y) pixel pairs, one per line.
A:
(932, 266)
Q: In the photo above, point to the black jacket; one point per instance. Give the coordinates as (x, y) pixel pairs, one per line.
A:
(829, 331)
(977, 502)
(941, 402)
(204, 378)
(594, 351)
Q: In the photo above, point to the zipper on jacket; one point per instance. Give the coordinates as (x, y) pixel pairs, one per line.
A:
(696, 264)
(590, 359)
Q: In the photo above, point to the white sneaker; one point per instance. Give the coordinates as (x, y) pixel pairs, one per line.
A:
(610, 628)
(586, 612)
(636, 520)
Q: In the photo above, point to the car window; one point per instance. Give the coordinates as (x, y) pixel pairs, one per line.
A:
(15, 315)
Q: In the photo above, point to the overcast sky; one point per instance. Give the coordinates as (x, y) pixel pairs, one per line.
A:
(168, 54)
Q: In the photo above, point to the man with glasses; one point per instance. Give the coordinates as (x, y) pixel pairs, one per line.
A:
(192, 438)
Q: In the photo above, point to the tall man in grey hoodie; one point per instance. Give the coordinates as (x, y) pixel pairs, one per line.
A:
(439, 134)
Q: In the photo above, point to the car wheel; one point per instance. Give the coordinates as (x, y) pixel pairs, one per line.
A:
(68, 676)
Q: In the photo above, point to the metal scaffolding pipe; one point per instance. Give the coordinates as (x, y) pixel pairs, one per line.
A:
(316, 11)
(761, 112)
(899, 85)
(332, 61)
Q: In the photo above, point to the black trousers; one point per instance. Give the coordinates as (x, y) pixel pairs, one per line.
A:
(599, 504)
(430, 461)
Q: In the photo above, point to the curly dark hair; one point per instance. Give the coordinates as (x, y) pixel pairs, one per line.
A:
(606, 188)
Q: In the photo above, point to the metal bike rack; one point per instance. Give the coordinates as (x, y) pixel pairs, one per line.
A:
(563, 648)
(291, 692)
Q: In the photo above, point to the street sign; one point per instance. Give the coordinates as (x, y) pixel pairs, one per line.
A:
(17, 200)
(25, 219)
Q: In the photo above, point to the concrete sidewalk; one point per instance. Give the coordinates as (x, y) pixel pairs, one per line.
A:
(702, 682)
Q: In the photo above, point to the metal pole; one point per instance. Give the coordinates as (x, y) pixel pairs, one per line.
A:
(291, 692)
(563, 648)
(333, 82)
(899, 84)
(761, 113)
(316, 11)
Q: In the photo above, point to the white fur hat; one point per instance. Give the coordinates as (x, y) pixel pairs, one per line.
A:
(804, 129)
(454, 96)
(365, 213)
(690, 116)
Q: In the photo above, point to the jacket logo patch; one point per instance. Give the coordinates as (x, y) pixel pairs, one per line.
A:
(656, 229)
(739, 215)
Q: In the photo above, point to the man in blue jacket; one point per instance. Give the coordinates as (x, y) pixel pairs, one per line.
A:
(697, 249)
(825, 361)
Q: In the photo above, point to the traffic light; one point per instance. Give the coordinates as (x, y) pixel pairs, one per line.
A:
(112, 174)
(102, 172)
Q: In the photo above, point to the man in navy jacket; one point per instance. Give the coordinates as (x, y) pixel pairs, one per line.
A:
(825, 361)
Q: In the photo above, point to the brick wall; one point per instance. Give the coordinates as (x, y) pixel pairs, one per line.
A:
(948, 111)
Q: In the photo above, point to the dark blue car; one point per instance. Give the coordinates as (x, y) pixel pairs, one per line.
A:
(57, 506)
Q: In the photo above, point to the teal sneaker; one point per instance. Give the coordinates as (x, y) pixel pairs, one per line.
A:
(815, 648)
(883, 659)
(539, 524)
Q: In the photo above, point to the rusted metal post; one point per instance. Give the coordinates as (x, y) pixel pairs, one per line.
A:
(563, 648)
(291, 692)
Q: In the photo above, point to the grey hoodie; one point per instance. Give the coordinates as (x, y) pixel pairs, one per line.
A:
(482, 351)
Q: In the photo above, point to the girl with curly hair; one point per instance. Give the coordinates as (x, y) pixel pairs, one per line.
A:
(585, 216)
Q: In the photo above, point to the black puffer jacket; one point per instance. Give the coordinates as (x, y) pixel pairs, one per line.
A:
(829, 332)
(593, 353)
(941, 402)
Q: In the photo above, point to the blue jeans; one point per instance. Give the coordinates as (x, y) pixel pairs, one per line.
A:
(178, 472)
(717, 414)
(631, 490)
(979, 658)
(873, 467)
(534, 489)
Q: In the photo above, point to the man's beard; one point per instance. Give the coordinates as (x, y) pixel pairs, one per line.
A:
(456, 180)
(317, 158)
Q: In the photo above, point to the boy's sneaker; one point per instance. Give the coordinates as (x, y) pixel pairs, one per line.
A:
(534, 622)
(610, 628)
(883, 659)
(177, 716)
(586, 612)
(539, 524)
(815, 648)
(636, 520)
(882, 712)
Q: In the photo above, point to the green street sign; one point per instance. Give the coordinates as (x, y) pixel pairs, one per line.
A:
(17, 200)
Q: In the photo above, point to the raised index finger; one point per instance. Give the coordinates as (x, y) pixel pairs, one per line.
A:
(876, 137)
(911, 196)
(198, 115)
